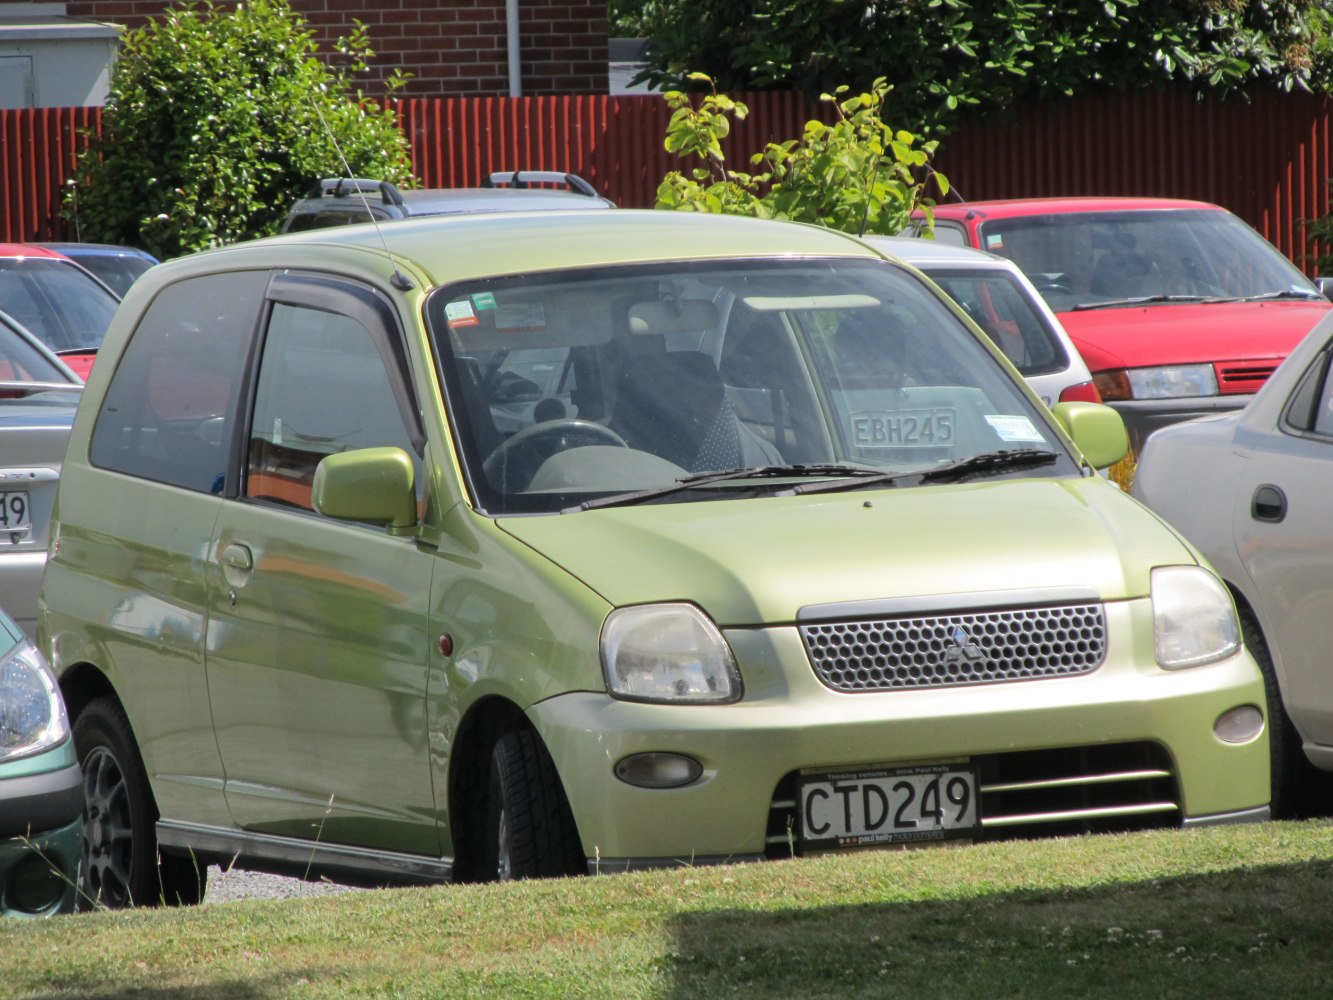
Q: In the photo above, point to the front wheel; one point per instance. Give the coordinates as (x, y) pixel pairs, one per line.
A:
(120, 866)
(530, 830)
(1299, 789)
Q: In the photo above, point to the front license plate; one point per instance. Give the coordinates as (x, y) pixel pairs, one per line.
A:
(888, 806)
(933, 428)
(14, 512)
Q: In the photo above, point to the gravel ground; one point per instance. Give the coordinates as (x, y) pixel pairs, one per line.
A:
(226, 886)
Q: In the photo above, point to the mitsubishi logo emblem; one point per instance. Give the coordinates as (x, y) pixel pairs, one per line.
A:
(962, 648)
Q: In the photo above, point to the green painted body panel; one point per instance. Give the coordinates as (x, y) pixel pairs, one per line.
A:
(748, 562)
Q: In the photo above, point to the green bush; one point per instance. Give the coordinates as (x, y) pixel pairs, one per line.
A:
(944, 56)
(858, 174)
(217, 120)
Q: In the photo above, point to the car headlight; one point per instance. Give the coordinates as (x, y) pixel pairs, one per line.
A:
(1164, 382)
(32, 713)
(1194, 620)
(668, 653)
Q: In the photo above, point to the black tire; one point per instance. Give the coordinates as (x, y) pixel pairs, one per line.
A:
(1299, 789)
(120, 865)
(529, 831)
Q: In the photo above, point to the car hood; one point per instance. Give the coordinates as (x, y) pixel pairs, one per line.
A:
(760, 561)
(1136, 336)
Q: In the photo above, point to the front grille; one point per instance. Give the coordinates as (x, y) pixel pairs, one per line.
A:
(1041, 793)
(952, 650)
(1246, 378)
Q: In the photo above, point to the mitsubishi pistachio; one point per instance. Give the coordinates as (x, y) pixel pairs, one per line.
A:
(530, 545)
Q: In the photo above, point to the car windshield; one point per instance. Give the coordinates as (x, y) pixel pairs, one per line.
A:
(566, 387)
(119, 271)
(1086, 260)
(60, 303)
(998, 304)
(22, 364)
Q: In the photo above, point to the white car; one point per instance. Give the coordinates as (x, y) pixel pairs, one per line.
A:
(1250, 490)
(1002, 301)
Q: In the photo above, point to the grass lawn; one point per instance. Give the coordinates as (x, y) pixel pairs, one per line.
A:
(1238, 911)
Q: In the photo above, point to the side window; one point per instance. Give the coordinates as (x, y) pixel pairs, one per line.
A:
(950, 234)
(170, 408)
(322, 389)
(1310, 408)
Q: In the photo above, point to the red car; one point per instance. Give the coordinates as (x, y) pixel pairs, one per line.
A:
(58, 301)
(1178, 307)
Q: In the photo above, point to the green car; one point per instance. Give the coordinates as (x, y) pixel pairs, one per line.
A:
(41, 786)
(539, 544)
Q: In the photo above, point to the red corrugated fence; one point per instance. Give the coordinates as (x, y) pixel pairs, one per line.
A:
(1267, 158)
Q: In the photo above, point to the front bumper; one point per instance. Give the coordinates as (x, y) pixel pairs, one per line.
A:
(1143, 416)
(788, 723)
(41, 839)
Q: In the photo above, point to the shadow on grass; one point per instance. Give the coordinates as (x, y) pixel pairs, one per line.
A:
(97, 988)
(1243, 933)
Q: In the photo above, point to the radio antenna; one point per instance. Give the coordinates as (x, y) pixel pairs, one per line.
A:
(398, 279)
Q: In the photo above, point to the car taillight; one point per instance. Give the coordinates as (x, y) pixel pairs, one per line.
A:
(1084, 392)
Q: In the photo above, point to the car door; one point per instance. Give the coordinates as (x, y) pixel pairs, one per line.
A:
(316, 645)
(1284, 535)
(145, 507)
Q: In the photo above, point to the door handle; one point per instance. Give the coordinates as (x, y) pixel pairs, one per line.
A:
(1269, 504)
(238, 557)
(237, 563)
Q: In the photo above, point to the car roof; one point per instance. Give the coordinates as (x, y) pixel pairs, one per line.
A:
(454, 247)
(441, 201)
(925, 252)
(29, 250)
(1018, 207)
(98, 249)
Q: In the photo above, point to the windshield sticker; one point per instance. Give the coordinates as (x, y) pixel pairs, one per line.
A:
(483, 300)
(994, 242)
(520, 316)
(460, 314)
(1013, 428)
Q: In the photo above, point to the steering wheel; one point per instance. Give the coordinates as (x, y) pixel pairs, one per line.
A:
(523, 453)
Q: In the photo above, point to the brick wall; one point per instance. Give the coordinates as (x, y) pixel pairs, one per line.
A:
(451, 47)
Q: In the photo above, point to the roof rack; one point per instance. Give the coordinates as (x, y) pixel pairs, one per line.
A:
(345, 187)
(527, 178)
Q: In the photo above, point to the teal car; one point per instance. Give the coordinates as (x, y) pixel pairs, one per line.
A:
(41, 785)
(496, 547)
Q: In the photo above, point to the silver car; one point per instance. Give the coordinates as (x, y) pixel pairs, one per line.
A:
(1250, 489)
(38, 396)
(999, 298)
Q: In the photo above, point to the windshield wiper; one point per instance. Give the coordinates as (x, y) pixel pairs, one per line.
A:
(1285, 293)
(1141, 300)
(988, 462)
(705, 478)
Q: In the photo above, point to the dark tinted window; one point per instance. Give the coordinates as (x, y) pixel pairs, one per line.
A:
(168, 413)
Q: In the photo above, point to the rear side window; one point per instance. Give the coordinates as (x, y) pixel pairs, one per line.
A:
(169, 411)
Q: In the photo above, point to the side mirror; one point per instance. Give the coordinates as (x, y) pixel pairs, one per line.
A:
(372, 485)
(1325, 285)
(1097, 430)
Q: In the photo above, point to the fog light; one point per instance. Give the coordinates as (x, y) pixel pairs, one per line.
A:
(35, 887)
(1239, 725)
(658, 770)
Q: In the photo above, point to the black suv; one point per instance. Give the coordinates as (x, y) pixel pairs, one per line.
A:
(339, 201)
